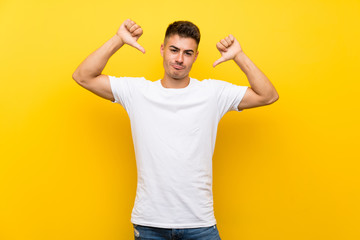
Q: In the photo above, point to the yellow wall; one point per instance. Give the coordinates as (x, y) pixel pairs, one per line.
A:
(285, 171)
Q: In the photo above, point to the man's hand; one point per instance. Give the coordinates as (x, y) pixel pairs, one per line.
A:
(129, 32)
(229, 47)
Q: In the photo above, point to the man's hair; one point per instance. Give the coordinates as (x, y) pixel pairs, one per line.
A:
(184, 29)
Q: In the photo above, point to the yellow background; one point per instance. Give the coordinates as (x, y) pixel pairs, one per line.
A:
(289, 170)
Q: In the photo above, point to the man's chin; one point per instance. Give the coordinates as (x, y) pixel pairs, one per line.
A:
(178, 77)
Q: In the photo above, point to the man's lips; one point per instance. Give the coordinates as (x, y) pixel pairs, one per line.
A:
(178, 67)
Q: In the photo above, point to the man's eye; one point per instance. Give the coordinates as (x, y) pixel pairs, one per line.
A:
(173, 50)
(188, 53)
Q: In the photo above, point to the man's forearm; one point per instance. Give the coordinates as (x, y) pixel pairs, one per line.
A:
(94, 64)
(257, 79)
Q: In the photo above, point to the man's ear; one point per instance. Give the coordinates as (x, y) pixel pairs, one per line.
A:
(162, 50)
(196, 55)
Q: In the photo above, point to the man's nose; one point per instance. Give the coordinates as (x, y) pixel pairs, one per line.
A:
(179, 58)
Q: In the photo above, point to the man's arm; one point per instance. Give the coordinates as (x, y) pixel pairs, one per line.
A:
(262, 92)
(88, 74)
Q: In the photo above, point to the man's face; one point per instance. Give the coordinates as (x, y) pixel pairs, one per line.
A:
(179, 54)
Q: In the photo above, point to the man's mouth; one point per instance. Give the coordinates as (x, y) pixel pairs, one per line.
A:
(178, 67)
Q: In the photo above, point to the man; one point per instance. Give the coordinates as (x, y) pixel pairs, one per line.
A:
(174, 124)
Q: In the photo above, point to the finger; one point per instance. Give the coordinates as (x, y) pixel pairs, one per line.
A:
(133, 28)
(129, 23)
(232, 38)
(224, 42)
(220, 60)
(228, 40)
(221, 47)
(137, 33)
(138, 46)
(126, 23)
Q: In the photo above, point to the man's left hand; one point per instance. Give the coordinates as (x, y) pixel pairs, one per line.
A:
(229, 47)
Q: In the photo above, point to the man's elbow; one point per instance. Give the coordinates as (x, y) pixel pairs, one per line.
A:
(77, 78)
(273, 99)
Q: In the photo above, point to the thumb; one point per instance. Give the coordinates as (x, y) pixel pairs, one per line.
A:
(138, 46)
(220, 60)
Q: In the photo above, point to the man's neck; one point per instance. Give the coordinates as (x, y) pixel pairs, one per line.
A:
(167, 82)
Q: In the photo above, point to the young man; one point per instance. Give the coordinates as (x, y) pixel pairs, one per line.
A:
(174, 125)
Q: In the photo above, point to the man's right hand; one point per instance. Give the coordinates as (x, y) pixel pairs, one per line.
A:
(129, 32)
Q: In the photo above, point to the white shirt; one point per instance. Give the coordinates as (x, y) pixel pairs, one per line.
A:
(174, 133)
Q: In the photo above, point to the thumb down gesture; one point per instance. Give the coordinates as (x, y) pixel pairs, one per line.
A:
(129, 32)
(229, 47)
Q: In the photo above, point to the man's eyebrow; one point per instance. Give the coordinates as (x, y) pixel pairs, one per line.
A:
(175, 47)
(189, 50)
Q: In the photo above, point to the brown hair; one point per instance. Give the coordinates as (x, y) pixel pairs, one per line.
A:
(183, 29)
